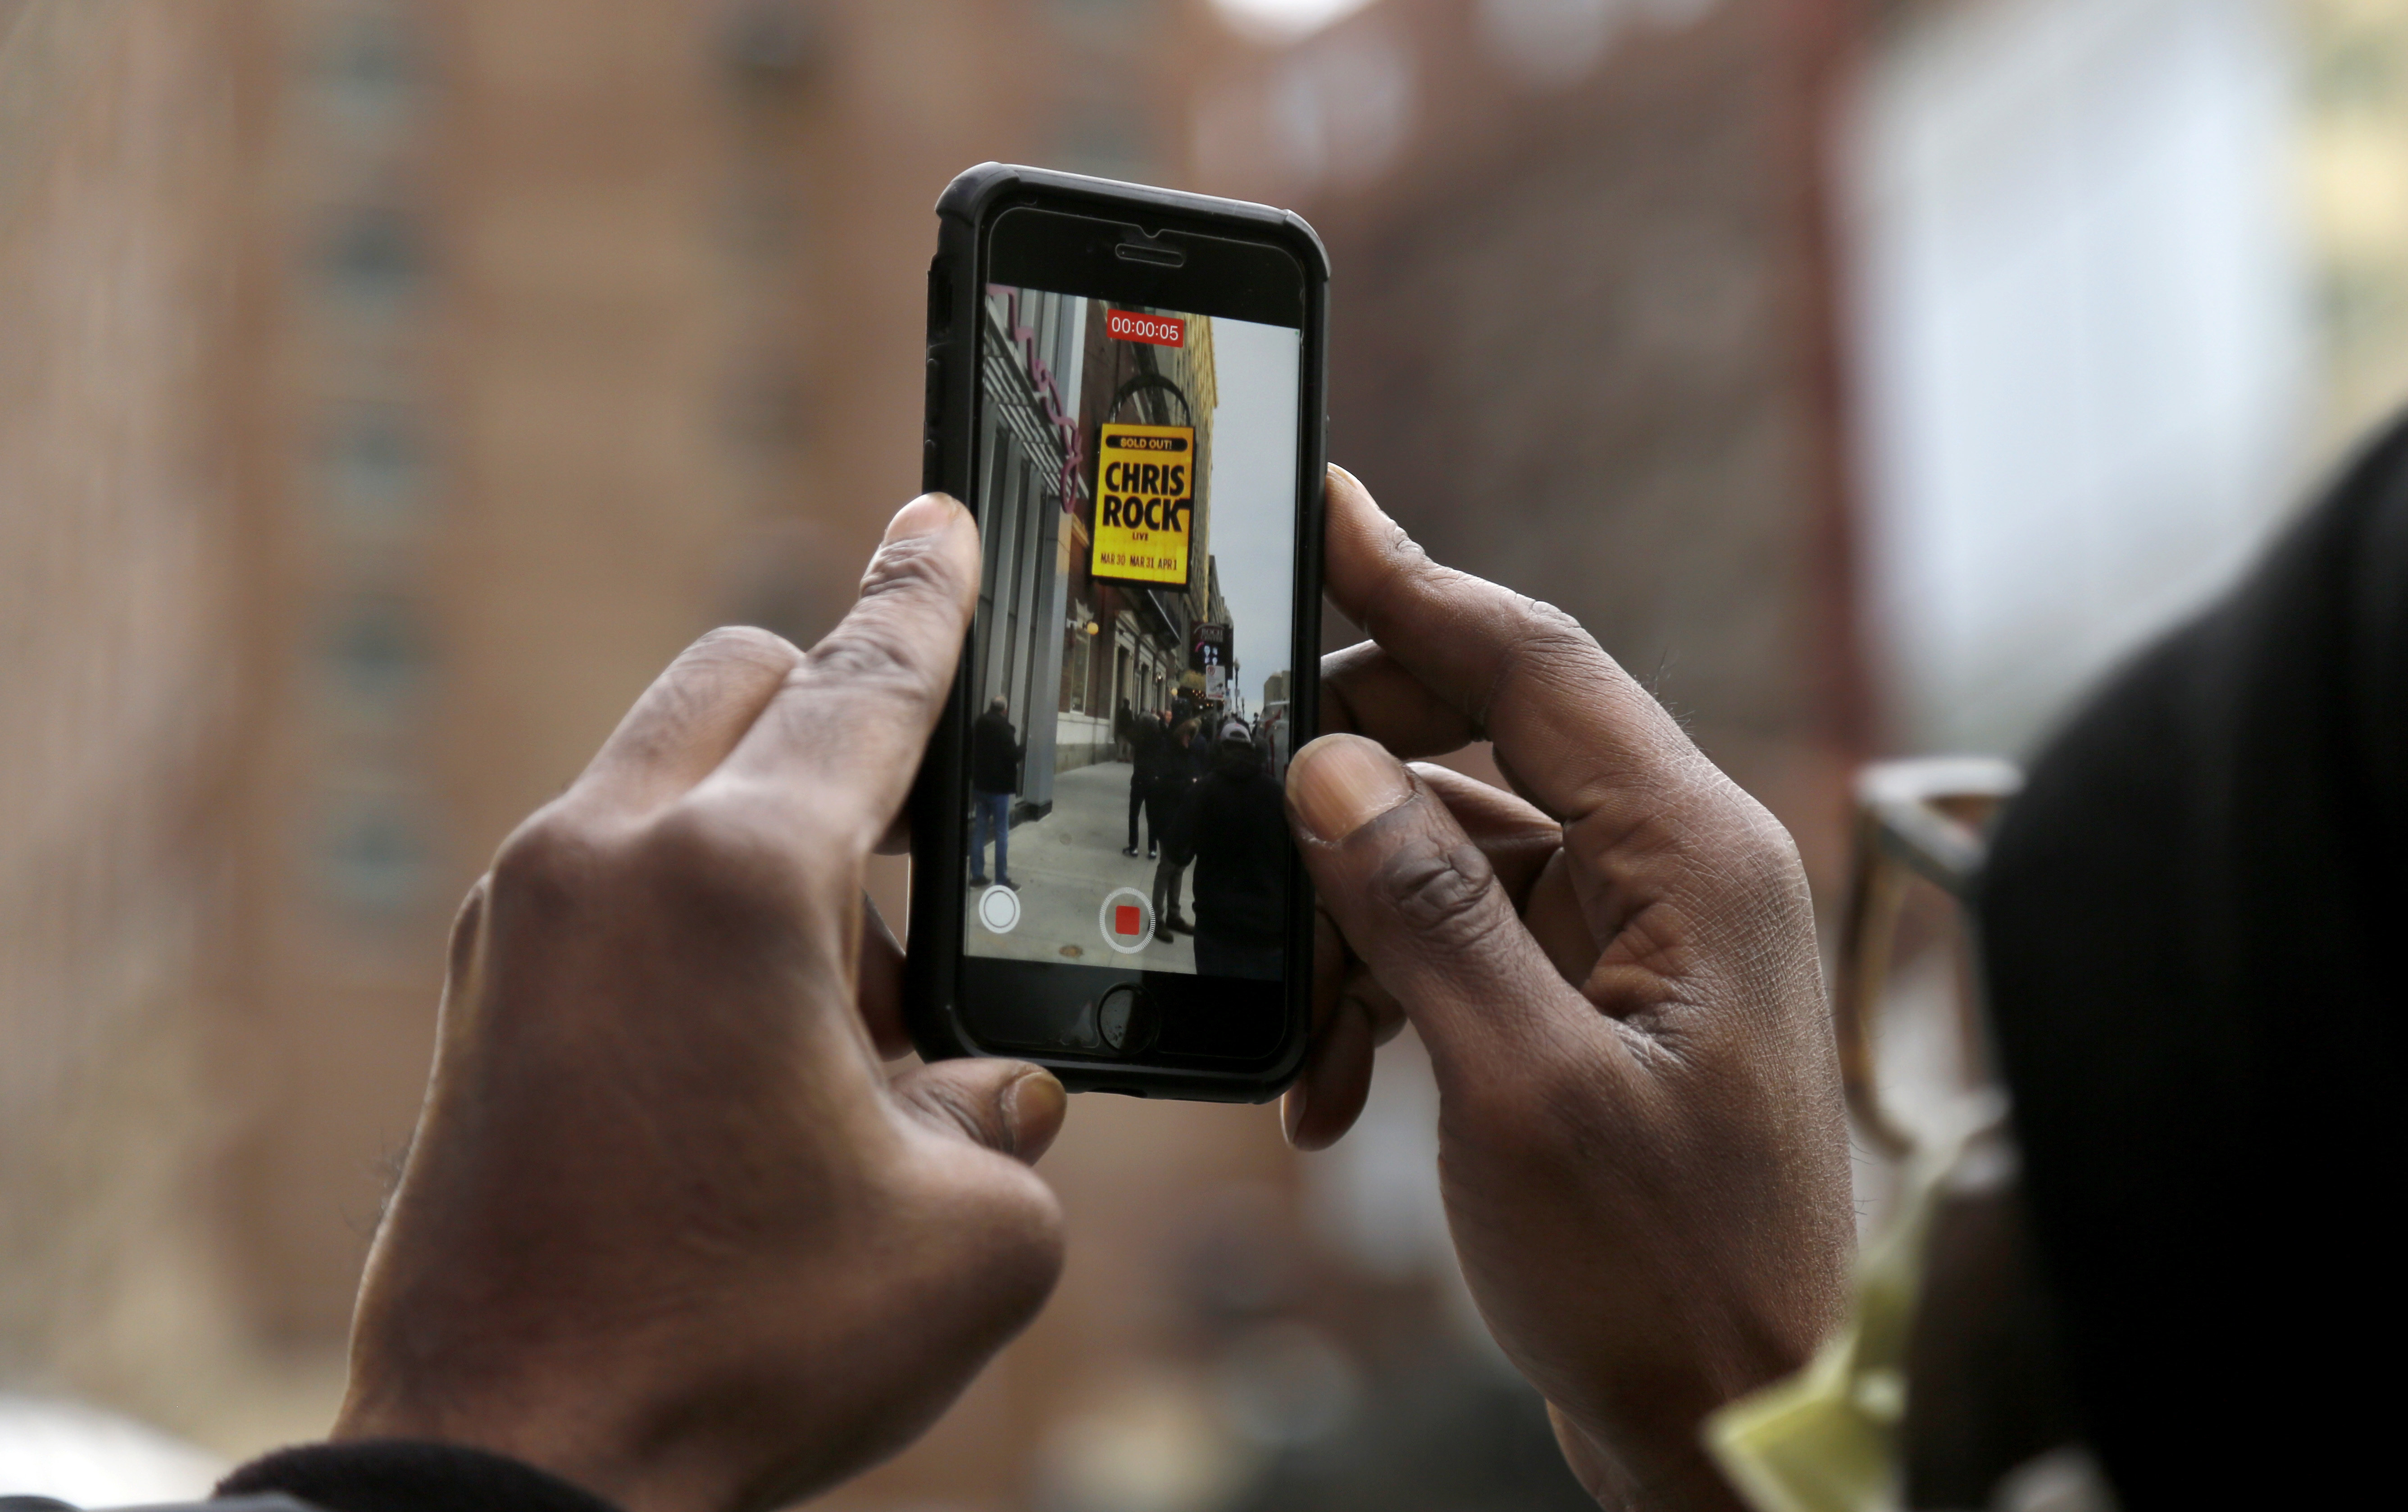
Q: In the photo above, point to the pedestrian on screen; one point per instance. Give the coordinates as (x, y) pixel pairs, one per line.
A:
(994, 776)
(1184, 761)
(1147, 737)
(1234, 828)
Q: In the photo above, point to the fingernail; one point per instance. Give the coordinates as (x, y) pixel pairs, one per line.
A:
(1292, 1111)
(924, 517)
(1341, 782)
(1036, 1105)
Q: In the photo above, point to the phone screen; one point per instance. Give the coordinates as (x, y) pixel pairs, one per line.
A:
(1138, 481)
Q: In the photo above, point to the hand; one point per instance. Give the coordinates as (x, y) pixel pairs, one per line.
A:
(665, 1228)
(1641, 1136)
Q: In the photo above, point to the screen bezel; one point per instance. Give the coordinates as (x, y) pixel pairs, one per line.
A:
(1212, 1027)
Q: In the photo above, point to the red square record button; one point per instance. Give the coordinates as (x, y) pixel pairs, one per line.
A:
(1125, 920)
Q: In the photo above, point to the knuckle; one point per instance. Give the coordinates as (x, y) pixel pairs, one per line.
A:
(1547, 643)
(685, 840)
(701, 857)
(1768, 841)
(873, 652)
(1550, 621)
(1409, 555)
(747, 641)
(1413, 577)
(1446, 897)
(550, 857)
(981, 1121)
(1733, 848)
(914, 565)
(1541, 648)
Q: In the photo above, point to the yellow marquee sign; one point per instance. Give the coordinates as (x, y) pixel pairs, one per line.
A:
(1145, 492)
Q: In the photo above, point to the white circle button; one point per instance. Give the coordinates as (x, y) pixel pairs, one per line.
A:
(998, 909)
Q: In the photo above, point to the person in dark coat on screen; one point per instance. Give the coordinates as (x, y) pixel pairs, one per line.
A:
(994, 776)
(1233, 829)
(1183, 760)
(1147, 737)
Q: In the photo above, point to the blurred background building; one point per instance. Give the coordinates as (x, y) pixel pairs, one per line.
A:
(388, 388)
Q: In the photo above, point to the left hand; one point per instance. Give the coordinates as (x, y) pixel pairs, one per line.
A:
(666, 1228)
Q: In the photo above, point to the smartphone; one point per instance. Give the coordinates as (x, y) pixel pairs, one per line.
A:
(1125, 386)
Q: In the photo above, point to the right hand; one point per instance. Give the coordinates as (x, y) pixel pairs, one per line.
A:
(1641, 1142)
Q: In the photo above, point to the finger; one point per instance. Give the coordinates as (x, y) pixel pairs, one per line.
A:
(684, 724)
(1009, 1106)
(1366, 691)
(842, 738)
(1420, 902)
(1381, 1009)
(1329, 1095)
(1325, 1056)
(882, 985)
(1571, 725)
(1526, 848)
(1332, 963)
(1517, 839)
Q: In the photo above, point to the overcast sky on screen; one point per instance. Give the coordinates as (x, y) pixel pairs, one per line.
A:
(1254, 491)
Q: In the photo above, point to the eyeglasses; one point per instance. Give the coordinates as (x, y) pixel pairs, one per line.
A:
(1828, 1439)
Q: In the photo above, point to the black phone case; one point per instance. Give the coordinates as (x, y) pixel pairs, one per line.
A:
(939, 824)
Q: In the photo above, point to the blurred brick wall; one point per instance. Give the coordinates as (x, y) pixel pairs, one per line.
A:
(119, 699)
(1582, 343)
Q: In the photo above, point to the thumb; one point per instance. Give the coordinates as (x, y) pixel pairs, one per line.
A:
(1424, 908)
(1010, 1106)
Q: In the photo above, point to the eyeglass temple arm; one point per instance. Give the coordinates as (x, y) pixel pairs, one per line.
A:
(1918, 817)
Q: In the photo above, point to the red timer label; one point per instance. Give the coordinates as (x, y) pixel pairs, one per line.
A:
(1154, 330)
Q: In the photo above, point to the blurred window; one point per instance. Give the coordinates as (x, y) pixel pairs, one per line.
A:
(774, 43)
(2084, 339)
(376, 466)
(1110, 138)
(377, 655)
(375, 849)
(374, 260)
(1343, 106)
(368, 68)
